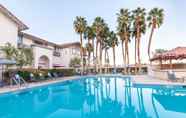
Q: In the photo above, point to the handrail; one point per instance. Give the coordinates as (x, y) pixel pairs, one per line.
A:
(14, 80)
(19, 81)
(24, 82)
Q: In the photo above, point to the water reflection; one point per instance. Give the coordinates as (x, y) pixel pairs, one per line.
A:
(102, 97)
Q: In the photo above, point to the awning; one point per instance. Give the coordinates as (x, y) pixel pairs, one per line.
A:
(7, 62)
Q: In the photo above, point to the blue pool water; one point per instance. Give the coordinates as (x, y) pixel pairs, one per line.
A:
(95, 97)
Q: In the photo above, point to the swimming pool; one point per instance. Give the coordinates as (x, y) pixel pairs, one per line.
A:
(95, 97)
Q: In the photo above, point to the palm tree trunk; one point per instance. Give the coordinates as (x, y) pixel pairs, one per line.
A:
(123, 53)
(105, 60)
(81, 53)
(128, 55)
(138, 45)
(100, 58)
(113, 48)
(96, 55)
(150, 40)
(135, 56)
(93, 51)
(139, 59)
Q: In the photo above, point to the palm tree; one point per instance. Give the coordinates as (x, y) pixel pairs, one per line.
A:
(105, 46)
(98, 26)
(113, 42)
(80, 24)
(90, 35)
(123, 29)
(155, 18)
(89, 49)
(139, 28)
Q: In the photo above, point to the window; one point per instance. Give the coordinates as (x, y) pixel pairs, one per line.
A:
(20, 40)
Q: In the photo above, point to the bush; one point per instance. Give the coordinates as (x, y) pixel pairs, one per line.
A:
(25, 73)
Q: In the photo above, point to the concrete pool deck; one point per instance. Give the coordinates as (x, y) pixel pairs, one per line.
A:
(36, 84)
(147, 80)
(136, 80)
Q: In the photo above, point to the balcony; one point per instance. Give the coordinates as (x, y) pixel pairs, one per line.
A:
(56, 54)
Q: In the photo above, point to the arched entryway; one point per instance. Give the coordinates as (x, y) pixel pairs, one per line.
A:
(43, 62)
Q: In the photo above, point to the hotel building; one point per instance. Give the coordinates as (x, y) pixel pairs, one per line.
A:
(46, 54)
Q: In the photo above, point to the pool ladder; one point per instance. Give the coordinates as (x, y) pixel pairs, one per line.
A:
(18, 81)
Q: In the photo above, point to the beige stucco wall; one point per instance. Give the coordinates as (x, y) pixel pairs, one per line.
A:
(40, 51)
(8, 31)
(27, 41)
(68, 53)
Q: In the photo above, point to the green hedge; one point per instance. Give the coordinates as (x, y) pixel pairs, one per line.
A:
(25, 73)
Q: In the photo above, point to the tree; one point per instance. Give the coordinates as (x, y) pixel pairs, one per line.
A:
(139, 28)
(155, 19)
(9, 51)
(80, 25)
(74, 62)
(123, 30)
(90, 35)
(22, 56)
(113, 42)
(98, 26)
(89, 49)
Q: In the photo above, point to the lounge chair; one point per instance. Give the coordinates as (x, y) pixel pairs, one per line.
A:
(55, 75)
(32, 78)
(60, 74)
(49, 76)
(41, 77)
(172, 77)
(2, 83)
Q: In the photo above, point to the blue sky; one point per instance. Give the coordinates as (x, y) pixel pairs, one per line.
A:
(53, 19)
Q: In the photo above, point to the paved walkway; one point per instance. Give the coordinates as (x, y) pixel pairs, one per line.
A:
(31, 85)
(147, 80)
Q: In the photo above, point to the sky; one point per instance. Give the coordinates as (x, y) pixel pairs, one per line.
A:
(53, 20)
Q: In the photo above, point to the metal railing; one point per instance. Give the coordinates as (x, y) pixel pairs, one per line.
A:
(18, 81)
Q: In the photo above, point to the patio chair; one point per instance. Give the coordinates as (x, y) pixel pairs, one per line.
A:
(41, 77)
(32, 78)
(2, 83)
(172, 77)
(60, 74)
(55, 75)
(49, 75)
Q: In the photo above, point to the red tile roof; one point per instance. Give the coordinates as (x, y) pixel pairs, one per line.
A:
(176, 53)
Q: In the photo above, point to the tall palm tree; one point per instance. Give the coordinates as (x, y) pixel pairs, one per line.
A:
(90, 35)
(104, 35)
(98, 26)
(80, 24)
(155, 18)
(105, 47)
(139, 28)
(113, 42)
(89, 49)
(123, 29)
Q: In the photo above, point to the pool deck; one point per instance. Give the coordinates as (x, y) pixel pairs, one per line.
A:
(147, 80)
(31, 85)
(136, 80)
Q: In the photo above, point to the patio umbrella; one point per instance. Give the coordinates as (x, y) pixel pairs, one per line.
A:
(6, 62)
